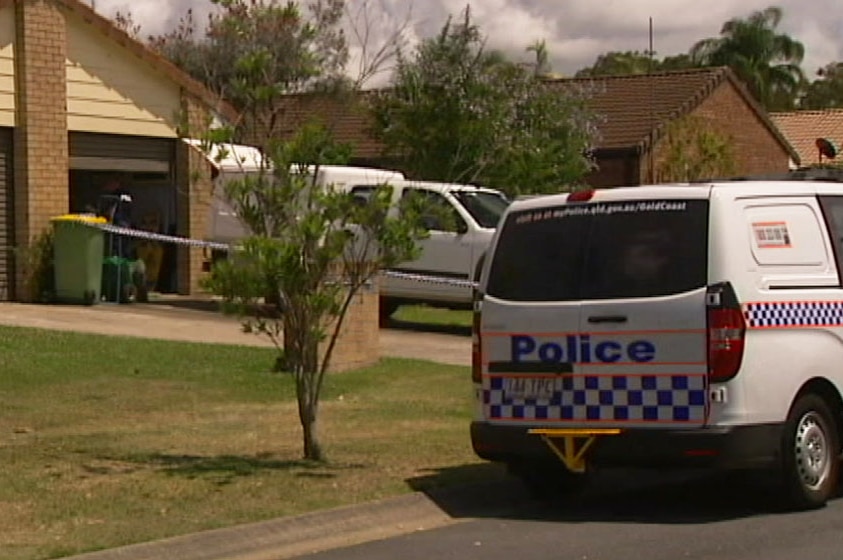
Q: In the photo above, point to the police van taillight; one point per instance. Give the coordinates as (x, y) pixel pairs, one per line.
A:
(726, 333)
(581, 196)
(476, 343)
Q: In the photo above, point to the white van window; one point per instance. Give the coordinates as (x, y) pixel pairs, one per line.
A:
(361, 194)
(485, 207)
(832, 207)
(602, 251)
(786, 235)
(442, 216)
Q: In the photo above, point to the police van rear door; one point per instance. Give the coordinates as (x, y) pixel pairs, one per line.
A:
(594, 314)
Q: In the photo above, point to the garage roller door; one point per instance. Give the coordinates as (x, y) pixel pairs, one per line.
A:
(113, 152)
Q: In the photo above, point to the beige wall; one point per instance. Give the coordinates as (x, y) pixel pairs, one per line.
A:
(111, 91)
(7, 66)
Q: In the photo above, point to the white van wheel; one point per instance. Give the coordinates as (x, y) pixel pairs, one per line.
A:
(386, 309)
(810, 453)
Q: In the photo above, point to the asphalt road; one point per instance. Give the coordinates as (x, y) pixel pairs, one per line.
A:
(709, 518)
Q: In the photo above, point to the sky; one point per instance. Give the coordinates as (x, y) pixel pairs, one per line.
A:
(575, 31)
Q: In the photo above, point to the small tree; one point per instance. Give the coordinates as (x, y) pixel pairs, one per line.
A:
(692, 150)
(310, 248)
(300, 43)
(377, 35)
(458, 112)
(317, 247)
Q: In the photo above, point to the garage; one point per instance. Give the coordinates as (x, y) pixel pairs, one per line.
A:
(83, 105)
(7, 214)
(142, 167)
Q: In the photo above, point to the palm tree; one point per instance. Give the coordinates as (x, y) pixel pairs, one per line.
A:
(767, 61)
(542, 63)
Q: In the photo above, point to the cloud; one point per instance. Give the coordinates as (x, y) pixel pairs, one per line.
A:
(576, 31)
(156, 16)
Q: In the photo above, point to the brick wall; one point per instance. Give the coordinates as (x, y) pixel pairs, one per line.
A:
(40, 152)
(195, 193)
(358, 344)
(757, 150)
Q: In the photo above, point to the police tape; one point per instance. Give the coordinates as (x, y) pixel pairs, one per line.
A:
(430, 279)
(162, 238)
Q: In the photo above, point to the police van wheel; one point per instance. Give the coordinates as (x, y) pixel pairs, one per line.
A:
(810, 450)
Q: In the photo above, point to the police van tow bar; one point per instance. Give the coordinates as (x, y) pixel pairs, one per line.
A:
(571, 445)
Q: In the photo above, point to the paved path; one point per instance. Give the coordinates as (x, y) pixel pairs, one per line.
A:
(174, 323)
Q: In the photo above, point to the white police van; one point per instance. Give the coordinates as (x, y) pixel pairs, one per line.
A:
(675, 325)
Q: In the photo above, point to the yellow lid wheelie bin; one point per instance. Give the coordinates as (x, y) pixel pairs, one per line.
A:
(78, 248)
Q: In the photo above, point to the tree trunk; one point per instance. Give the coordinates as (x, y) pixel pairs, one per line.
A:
(312, 447)
(302, 353)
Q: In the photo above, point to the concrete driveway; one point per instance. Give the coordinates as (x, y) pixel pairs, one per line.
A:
(174, 322)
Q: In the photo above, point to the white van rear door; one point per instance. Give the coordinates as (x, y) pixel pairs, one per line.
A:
(594, 315)
(643, 358)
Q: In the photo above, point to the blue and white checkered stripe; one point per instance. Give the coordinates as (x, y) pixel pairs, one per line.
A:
(606, 398)
(794, 314)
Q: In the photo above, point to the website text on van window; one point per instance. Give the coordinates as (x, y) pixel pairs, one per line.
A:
(603, 209)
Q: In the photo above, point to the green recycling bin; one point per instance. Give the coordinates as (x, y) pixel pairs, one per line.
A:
(118, 280)
(78, 252)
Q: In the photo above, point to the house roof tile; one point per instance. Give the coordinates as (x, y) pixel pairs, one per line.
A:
(802, 128)
(633, 110)
(631, 107)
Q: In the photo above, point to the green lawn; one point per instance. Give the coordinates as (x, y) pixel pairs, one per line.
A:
(109, 441)
(434, 316)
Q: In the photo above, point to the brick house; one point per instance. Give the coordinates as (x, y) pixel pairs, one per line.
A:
(635, 112)
(81, 101)
(803, 128)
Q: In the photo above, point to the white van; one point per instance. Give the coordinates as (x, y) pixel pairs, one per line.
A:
(677, 325)
(440, 276)
(233, 162)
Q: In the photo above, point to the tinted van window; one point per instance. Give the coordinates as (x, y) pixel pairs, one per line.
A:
(602, 251)
(485, 207)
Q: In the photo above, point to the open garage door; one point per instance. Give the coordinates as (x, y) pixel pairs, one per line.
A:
(144, 168)
(111, 152)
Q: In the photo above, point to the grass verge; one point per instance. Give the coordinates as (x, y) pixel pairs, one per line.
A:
(108, 441)
(424, 315)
